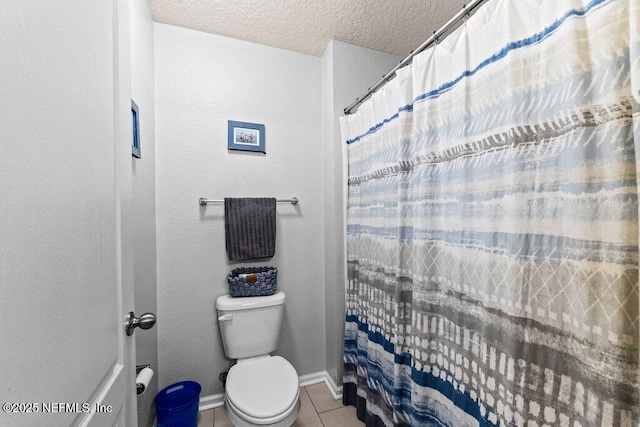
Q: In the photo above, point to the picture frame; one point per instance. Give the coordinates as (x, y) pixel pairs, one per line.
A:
(245, 136)
(135, 121)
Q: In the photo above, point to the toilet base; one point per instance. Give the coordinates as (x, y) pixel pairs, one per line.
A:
(238, 421)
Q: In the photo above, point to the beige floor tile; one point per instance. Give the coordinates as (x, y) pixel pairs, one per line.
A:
(343, 417)
(322, 399)
(221, 419)
(205, 418)
(307, 417)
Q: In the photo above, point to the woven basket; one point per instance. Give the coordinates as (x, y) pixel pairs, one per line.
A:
(252, 281)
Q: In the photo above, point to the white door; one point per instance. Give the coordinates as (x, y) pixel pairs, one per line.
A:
(65, 196)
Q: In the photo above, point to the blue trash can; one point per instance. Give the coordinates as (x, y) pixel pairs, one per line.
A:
(177, 405)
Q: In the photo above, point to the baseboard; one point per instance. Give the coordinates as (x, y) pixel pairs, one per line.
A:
(314, 378)
(210, 402)
(336, 391)
(217, 400)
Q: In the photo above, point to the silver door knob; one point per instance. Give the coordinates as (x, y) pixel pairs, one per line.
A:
(146, 321)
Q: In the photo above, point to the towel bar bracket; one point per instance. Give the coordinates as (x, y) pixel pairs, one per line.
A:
(203, 201)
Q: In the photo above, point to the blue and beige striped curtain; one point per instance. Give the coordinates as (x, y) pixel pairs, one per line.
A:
(493, 225)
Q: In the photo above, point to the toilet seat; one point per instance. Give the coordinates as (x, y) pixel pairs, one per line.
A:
(264, 390)
(240, 419)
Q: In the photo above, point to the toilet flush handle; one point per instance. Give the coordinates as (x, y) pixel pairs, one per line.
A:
(225, 317)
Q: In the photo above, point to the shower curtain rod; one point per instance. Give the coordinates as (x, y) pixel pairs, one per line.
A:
(463, 14)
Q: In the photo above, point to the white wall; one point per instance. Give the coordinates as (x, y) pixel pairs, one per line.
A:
(203, 80)
(144, 198)
(347, 71)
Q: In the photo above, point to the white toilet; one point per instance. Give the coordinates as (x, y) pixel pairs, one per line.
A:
(261, 390)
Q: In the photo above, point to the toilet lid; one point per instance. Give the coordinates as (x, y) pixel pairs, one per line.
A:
(263, 388)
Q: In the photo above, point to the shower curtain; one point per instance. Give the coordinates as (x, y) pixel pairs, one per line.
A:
(492, 225)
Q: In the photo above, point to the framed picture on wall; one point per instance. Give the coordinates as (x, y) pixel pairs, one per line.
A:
(135, 120)
(246, 137)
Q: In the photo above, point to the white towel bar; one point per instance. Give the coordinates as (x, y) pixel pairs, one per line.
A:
(203, 201)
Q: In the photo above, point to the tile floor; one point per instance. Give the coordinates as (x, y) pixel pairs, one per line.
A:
(318, 409)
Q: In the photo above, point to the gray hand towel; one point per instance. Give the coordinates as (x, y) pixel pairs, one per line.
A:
(250, 227)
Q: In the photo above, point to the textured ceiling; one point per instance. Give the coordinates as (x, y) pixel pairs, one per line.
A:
(306, 26)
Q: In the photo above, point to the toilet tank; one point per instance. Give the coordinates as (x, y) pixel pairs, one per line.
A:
(250, 326)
